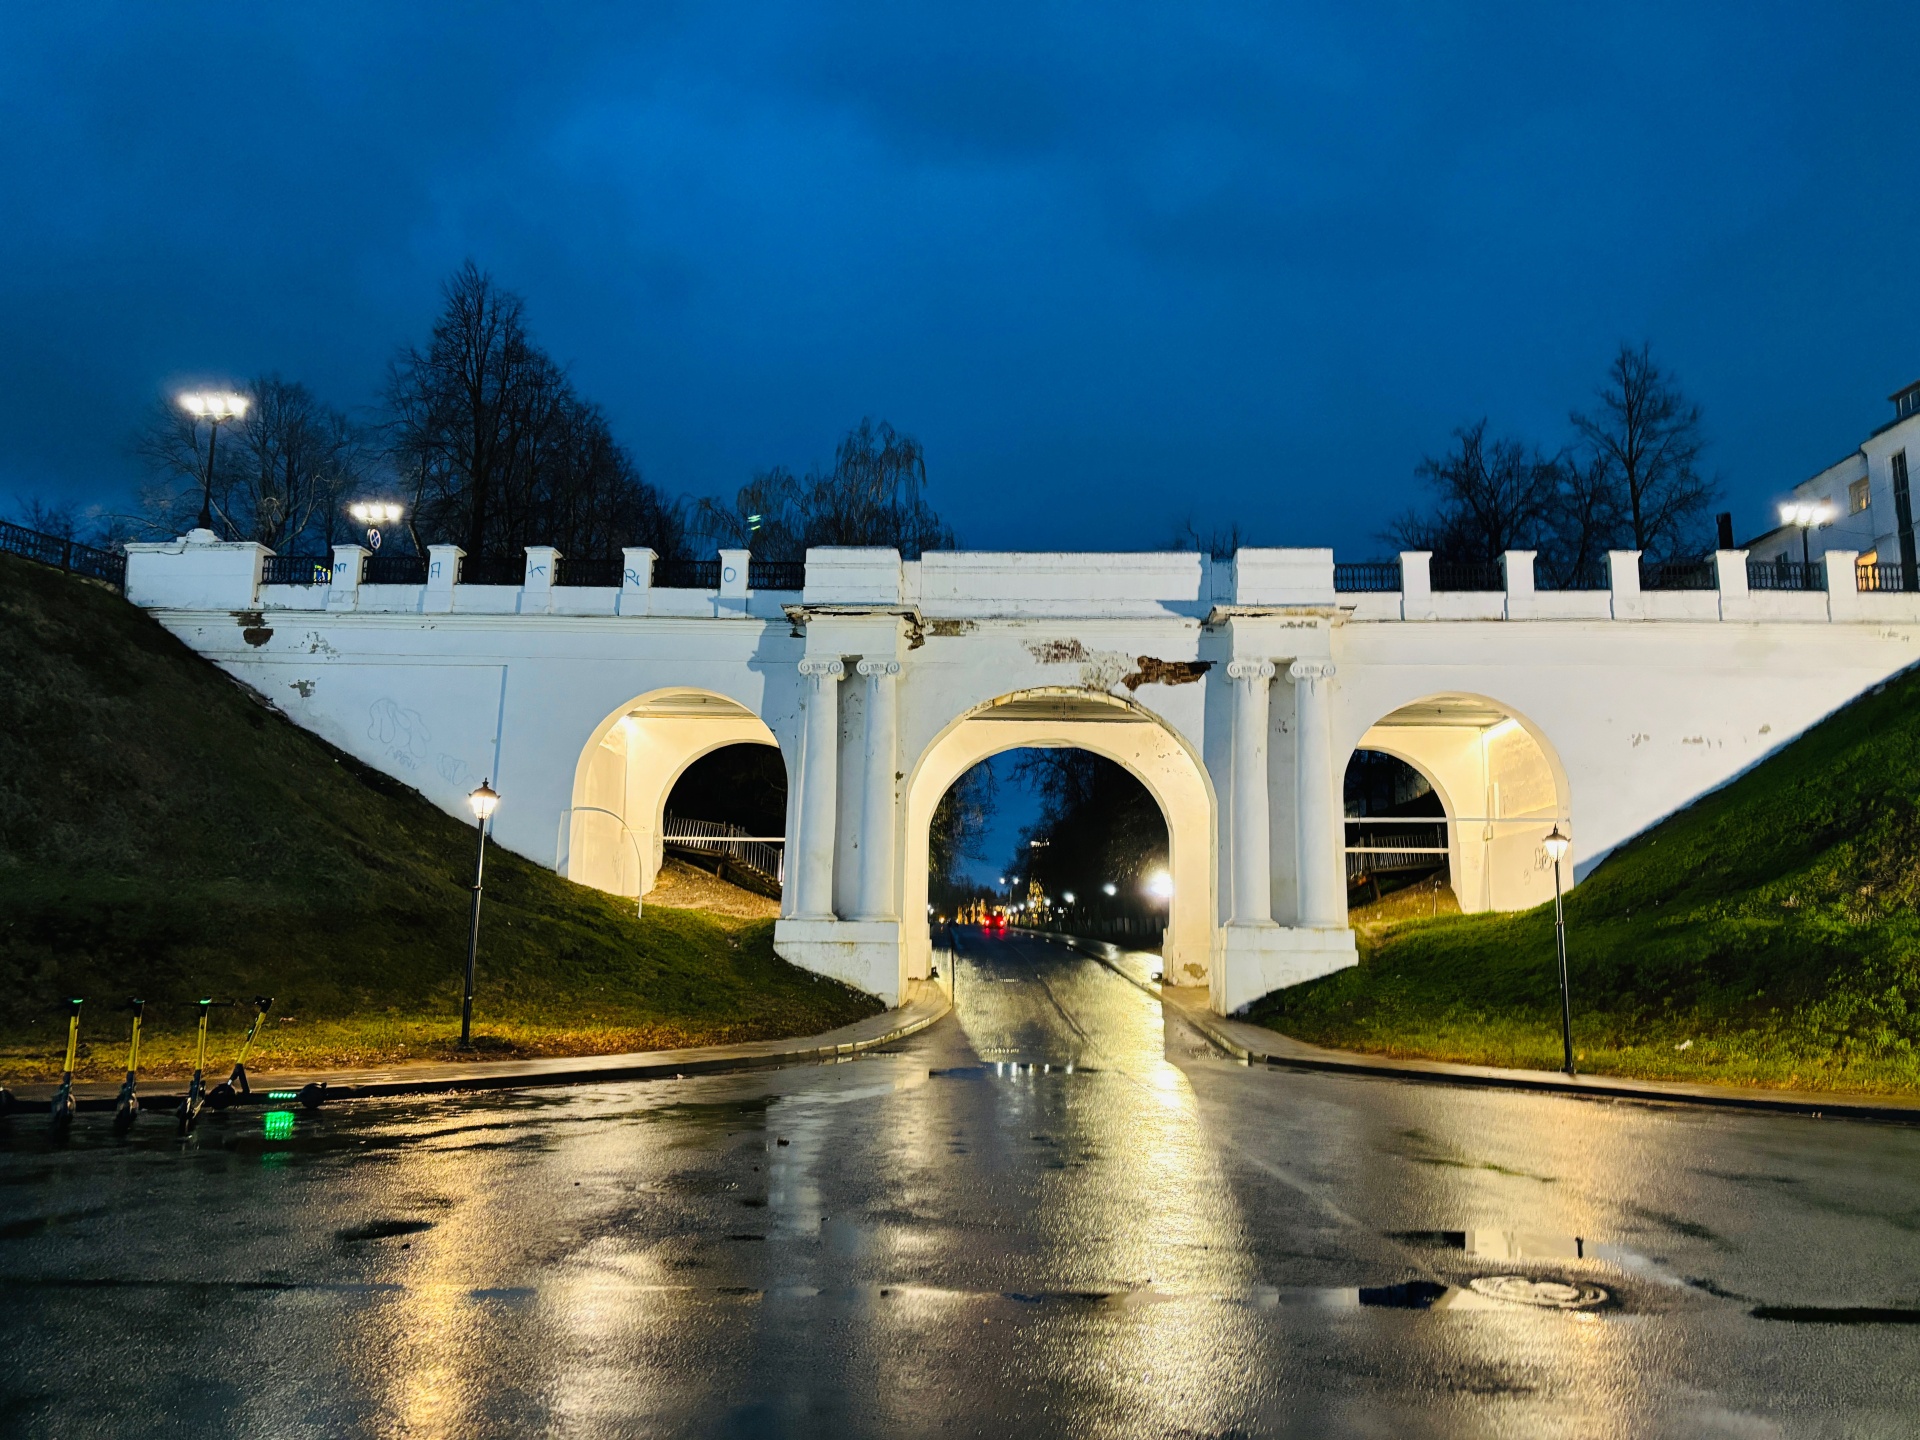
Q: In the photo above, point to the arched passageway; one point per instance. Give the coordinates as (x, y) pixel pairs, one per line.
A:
(1500, 789)
(613, 834)
(1121, 732)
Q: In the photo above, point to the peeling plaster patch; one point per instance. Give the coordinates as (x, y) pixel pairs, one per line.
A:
(1150, 671)
(317, 645)
(253, 627)
(1639, 740)
(1058, 652)
(953, 627)
(305, 687)
(1766, 729)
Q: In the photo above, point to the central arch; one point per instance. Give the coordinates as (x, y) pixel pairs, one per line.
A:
(1120, 731)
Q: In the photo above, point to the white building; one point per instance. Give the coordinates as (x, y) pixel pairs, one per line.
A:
(1869, 497)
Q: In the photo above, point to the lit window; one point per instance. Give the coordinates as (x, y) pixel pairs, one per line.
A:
(1858, 497)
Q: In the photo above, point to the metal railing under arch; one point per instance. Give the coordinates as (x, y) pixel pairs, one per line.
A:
(563, 844)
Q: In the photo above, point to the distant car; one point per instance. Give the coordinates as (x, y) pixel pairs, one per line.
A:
(995, 925)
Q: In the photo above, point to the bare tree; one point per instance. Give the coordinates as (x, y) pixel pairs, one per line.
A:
(1221, 541)
(499, 451)
(873, 495)
(1648, 438)
(1490, 496)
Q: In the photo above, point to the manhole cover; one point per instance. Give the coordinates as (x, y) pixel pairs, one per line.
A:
(1548, 1294)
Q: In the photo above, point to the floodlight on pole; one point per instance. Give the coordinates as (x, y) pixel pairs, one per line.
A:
(216, 407)
(373, 514)
(1806, 514)
(483, 801)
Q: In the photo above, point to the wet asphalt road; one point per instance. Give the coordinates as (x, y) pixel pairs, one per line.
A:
(1052, 1214)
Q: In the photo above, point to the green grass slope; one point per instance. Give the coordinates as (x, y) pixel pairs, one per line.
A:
(164, 833)
(1765, 935)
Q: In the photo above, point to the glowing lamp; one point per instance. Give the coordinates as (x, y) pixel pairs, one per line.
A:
(1557, 844)
(1110, 888)
(484, 801)
(1068, 897)
(1160, 885)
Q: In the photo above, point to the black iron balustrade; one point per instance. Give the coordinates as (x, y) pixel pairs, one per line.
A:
(1477, 575)
(1678, 575)
(297, 570)
(64, 554)
(1878, 579)
(1593, 575)
(1786, 575)
(493, 570)
(592, 573)
(776, 574)
(1366, 577)
(687, 574)
(394, 570)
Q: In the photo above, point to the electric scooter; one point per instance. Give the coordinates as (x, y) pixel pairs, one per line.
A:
(188, 1114)
(235, 1086)
(60, 1113)
(127, 1108)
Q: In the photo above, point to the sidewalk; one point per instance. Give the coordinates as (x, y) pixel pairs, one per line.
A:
(926, 1002)
(1257, 1045)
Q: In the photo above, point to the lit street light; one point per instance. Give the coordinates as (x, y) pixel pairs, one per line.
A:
(1807, 515)
(373, 514)
(1110, 888)
(1160, 885)
(216, 407)
(1557, 846)
(484, 801)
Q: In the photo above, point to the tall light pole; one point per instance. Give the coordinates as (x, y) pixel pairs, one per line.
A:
(1557, 846)
(216, 407)
(484, 801)
(373, 514)
(1806, 515)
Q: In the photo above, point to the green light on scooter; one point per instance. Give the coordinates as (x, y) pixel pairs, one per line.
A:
(277, 1124)
(283, 1094)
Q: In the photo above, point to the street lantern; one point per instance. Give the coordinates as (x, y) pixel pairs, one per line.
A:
(1160, 885)
(1806, 514)
(373, 514)
(1110, 888)
(1067, 896)
(216, 407)
(483, 801)
(1557, 846)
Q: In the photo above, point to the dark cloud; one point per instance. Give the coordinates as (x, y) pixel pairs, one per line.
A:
(1113, 264)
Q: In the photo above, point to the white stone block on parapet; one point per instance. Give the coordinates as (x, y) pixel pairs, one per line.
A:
(1283, 577)
(1257, 960)
(349, 562)
(536, 589)
(734, 566)
(1843, 585)
(1623, 574)
(195, 572)
(1416, 585)
(443, 573)
(1517, 567)
(850, 575)
(1730, 579)
(980, 582)
(636, 579)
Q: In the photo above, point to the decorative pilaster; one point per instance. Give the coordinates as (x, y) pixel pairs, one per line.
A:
(877, 792)
(1252, 837)
(819, 791)
(1322, 895)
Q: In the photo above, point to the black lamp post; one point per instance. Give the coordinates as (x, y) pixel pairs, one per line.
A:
(216, 407)
(1557, 846)
(484, 801)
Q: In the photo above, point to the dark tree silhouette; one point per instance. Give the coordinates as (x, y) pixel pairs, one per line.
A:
(1646, 439)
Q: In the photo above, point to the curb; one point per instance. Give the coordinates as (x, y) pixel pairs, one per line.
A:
(910, 1019)
(1253, 1045)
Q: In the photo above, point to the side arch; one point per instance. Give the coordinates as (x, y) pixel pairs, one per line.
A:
(611, 835)
(1133, 738)
(1501, 784)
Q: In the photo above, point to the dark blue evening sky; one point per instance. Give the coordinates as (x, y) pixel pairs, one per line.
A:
(1113, 265)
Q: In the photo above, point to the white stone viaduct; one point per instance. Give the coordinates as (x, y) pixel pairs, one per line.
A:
(1235, 689)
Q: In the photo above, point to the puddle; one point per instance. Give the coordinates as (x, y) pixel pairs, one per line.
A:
(1004, 1069)
(1837, 1314)
(1502, 1244)
(382, 1230)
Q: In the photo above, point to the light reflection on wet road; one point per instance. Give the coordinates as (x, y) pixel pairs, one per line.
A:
(1054, 1213)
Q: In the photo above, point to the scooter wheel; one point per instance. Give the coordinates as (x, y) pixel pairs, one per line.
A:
(220, 1097)
(60, 1120)
(124, 1115)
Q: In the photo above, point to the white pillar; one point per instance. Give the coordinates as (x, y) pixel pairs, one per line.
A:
(819, 791)
(877, 793)
(1252, 840)
(1322, 898)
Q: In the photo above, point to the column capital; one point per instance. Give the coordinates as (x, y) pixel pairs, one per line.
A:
(879, 667)
(1251, 670)
(1308, 671)
(823, 669)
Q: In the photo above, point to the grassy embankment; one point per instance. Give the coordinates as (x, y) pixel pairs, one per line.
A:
(166, 834)
(1766, 935)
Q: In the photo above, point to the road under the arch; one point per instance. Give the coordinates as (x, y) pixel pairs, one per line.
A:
(1055, 1213)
